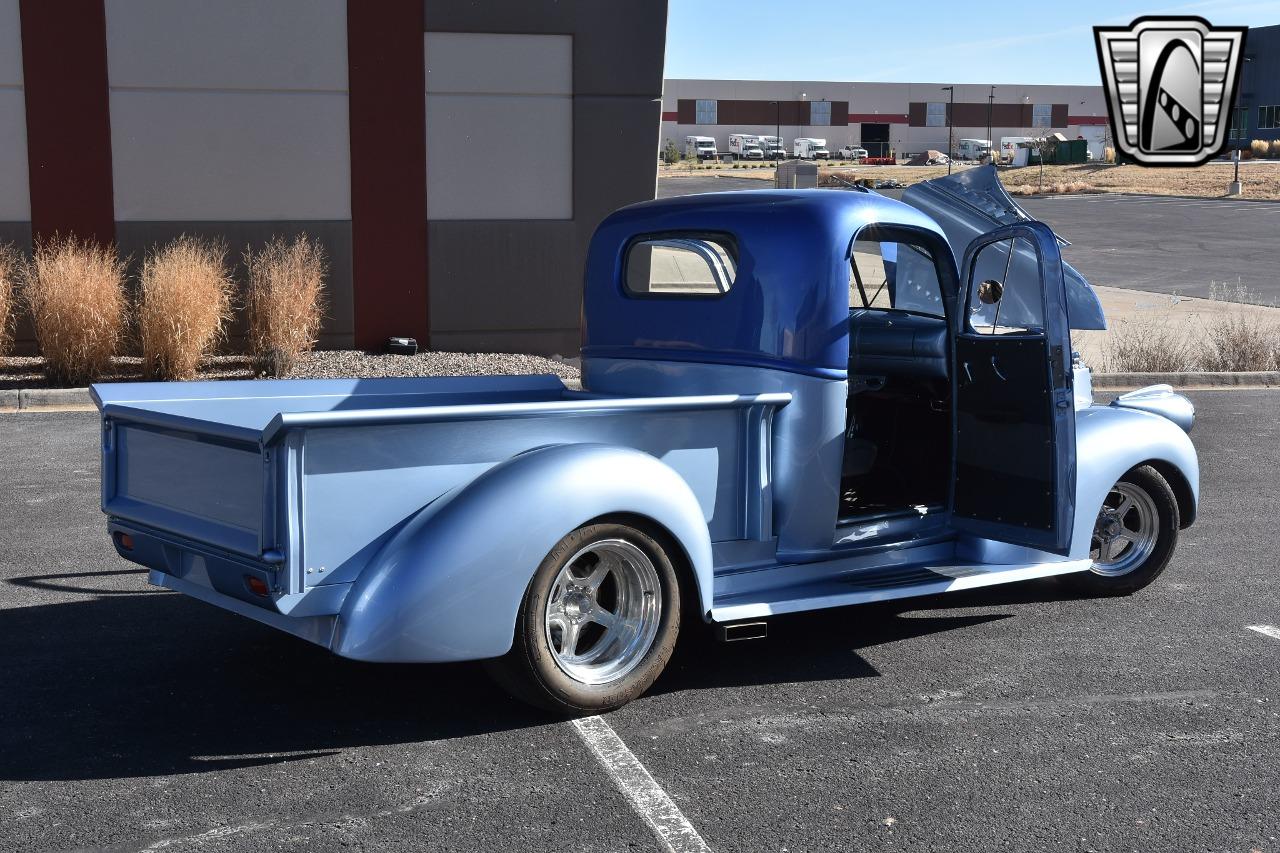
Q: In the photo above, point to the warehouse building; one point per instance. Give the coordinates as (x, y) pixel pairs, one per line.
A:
(902, 118)
(1257, 114)
(442, 151)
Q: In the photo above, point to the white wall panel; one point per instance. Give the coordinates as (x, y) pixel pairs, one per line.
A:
(185, 155)
(499, 63)
(531, 137)
(15, 191)
(228, 44)
(504, 96)
(229, 109)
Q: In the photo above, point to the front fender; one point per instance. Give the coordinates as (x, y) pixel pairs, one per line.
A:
(448, 586)
(1109, 441)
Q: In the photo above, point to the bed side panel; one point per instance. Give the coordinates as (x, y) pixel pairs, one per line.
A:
(362, 483)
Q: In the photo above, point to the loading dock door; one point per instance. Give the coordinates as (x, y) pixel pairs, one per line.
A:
(875, 138)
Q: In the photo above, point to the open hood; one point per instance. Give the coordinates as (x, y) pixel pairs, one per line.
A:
(968, 204)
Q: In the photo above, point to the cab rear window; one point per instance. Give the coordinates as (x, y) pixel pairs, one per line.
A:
(693, 265)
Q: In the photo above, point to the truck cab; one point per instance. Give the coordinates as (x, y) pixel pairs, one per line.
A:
(701, 147)
(790, 400)
(773, 147)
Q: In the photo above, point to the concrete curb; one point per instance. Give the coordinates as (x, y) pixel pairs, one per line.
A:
(46, 400)
(1190, 379)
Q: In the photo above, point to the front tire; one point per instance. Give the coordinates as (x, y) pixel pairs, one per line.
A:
(598, 622)
(1134, 535)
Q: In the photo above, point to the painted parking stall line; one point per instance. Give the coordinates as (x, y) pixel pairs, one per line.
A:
(1266, 630)
(638, 786)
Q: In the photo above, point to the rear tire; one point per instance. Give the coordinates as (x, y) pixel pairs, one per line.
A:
(598, 622)
(1134, 535)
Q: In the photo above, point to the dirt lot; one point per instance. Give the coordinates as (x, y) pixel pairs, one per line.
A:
(1261, 179)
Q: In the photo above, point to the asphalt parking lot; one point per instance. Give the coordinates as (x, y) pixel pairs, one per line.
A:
(1152, 243)
(1015, 718)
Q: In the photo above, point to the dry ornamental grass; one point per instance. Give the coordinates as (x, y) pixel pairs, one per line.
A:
(74, 290)
(1242, 337)
(10, 265)
(285, 301)
(185, 300)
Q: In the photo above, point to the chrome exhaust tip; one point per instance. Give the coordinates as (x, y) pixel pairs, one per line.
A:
(743, 631)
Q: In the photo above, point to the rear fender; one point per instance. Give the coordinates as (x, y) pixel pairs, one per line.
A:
(449, 584)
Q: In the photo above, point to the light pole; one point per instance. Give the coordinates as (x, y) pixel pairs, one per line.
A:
(777, 118)
(1236, 187)
(950, 110)
(990, 142)
(803, 97)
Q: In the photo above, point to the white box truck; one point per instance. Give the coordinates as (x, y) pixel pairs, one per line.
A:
(745, 146)
(811, 149)
(773, 147)
(973, 149)
(702, 147)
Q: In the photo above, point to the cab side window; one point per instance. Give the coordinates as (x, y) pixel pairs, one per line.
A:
(894, 275)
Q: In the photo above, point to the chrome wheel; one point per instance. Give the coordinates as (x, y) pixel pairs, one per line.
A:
(603, 611)
(1125, 534)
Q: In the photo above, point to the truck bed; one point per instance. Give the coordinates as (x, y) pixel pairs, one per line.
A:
(300, 482)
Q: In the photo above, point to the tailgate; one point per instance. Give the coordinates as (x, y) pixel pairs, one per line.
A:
(209, 488)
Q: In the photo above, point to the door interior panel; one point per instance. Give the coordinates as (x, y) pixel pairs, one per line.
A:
(1005, 464)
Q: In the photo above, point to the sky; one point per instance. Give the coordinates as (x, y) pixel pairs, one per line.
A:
(1007, 41)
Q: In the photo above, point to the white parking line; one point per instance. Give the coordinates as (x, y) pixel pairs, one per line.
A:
(1270, 630)
(645, 795)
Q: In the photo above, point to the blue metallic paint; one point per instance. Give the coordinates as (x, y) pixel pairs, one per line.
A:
(446, 588)
(788, 308)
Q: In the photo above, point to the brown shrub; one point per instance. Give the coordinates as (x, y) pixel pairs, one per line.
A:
(1149, 348)
(1260, 148)
(10, 268)
(1108, 155)
(1275, 148)
(285, 301)
(185, 297)
(74, 290)
(1241, 342)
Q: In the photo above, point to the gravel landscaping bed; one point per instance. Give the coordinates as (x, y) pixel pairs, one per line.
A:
(26, 371)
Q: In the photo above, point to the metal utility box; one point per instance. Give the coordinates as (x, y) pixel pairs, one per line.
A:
(796, 175)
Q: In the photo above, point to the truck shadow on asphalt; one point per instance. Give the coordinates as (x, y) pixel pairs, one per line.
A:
(155, 684)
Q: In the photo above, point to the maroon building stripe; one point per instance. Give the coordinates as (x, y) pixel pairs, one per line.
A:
(878, 118)
(64, 68)
(387, 83)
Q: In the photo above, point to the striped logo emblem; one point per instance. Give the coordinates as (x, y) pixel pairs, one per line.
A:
(1170, 85)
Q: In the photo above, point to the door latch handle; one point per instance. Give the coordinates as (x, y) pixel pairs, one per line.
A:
(996, 368)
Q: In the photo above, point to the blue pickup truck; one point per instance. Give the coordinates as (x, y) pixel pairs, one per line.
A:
(790, 400)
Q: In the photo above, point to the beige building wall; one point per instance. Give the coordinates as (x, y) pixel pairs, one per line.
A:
(230, 119)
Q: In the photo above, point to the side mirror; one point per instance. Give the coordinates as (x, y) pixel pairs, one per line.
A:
(990, 292)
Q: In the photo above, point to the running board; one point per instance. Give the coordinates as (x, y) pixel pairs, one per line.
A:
(881, 585)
